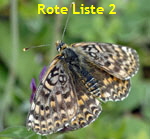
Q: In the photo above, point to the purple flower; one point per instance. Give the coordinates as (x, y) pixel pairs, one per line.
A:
(42, 73)
(33, 88)
(33, 84)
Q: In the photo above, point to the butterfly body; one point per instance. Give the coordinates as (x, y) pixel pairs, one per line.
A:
(68, 96)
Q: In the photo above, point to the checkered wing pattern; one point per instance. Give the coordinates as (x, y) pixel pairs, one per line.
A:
(67, 97)
(61, 103)
(119, 61)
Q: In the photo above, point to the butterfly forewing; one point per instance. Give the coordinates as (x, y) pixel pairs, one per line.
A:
(119, 61)
(61, 103)
(54, 104)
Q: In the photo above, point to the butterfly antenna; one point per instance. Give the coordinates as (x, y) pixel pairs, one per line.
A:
(25, 49)
(67, 21)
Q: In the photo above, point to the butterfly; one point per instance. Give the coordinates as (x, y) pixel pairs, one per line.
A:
(79, 77)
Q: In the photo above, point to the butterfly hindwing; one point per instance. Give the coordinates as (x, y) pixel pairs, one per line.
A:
(89, 107)
(119, 61)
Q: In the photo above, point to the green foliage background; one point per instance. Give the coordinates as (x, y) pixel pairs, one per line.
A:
(21, 26)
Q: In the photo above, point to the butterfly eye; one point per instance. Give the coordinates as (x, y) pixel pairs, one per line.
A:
(60, 45)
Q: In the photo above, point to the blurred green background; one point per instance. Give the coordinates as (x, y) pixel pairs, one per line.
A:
(21, 26)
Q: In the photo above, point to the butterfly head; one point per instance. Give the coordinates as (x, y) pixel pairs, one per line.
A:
(60, 45)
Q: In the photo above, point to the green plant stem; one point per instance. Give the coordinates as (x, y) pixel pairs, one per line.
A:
(11, 77)
(57, 31)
